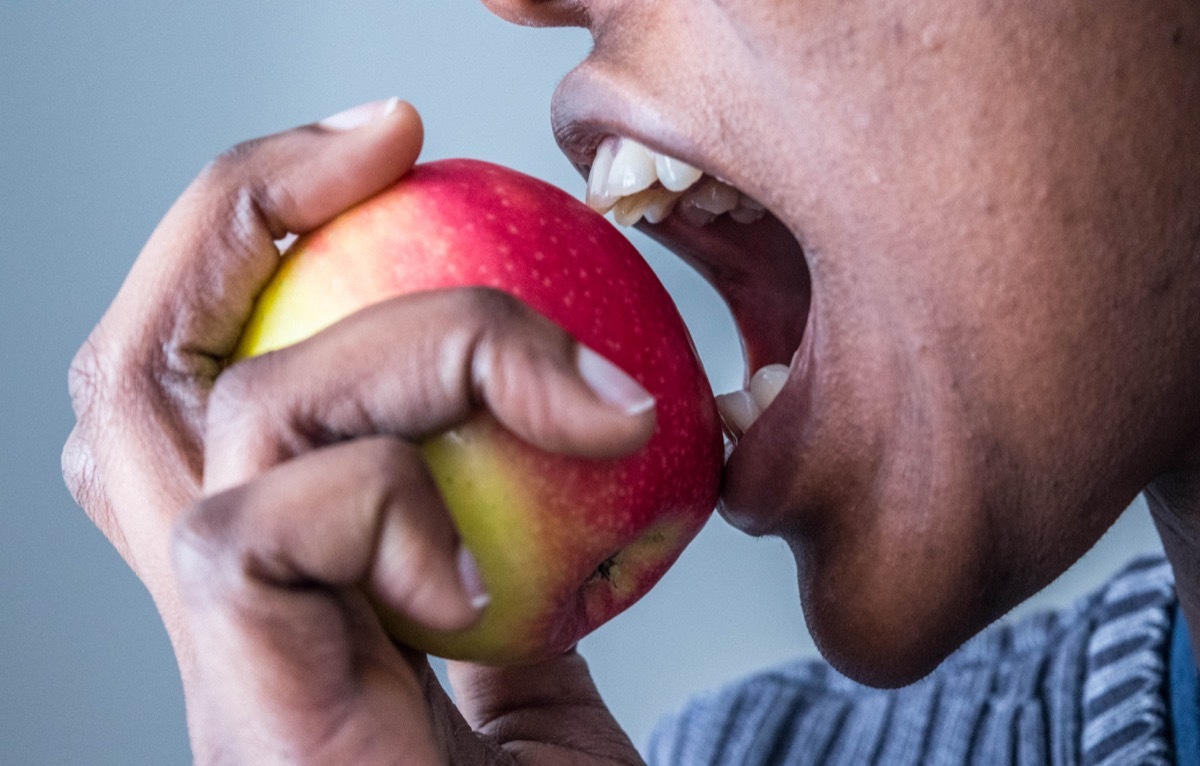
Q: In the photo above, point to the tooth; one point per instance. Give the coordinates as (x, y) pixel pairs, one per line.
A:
(661, 203)
(632, 170)
(694, 215)
(746, 214)
(675, 175)
(654, 204)
(629, 210)
(766, 384)
(748, 210)
(597, 199)
(714, 196)
(739, 411)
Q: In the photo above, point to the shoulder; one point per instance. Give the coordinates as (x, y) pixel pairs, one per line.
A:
(1080, 685)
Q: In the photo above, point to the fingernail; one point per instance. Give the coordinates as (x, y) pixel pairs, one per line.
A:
(472, 580)
(612, 384)
(356, 117)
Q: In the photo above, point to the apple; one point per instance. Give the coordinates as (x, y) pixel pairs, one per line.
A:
(563, 544)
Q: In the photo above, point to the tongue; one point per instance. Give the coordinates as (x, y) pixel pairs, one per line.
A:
(759, 270)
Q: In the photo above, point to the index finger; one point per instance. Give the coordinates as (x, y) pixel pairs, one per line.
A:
(416, 366)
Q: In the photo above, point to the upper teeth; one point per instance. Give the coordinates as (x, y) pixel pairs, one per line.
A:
(739, 409)
(635, 182)
(674, 174)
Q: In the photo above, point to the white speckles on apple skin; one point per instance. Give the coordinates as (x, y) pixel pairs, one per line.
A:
(436, 230)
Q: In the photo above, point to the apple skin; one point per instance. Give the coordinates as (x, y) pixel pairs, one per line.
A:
(563, 544)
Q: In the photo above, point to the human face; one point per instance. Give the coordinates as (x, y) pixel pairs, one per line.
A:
(980, 263)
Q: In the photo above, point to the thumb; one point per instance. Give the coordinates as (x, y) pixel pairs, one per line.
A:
(194, 284)
(539, 711)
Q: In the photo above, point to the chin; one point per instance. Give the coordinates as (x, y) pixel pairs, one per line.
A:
(889, 638)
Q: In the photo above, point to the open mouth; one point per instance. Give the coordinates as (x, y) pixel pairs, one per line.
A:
(743, 249)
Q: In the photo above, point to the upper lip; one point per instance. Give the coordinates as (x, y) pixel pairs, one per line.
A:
(590, 104)
(751, 270)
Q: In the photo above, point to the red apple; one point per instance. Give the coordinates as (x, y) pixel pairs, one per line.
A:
(563, 544)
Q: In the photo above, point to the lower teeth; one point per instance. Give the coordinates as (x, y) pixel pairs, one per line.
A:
(739, 409)
(699, 205)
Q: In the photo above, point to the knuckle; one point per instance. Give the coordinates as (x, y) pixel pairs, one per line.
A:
(508, 326)
(411, 584)
(87, 379)
(245, 429)
(509, 335)
(201, 546)
(79, 473)
(232, 397)
(417, 570)
(245, 179)
(115, 377)
(95, 388)
(232, 166)
(86, 486)
(490, 305)
(418, 531)
(389, 470)
(274, 200)
(512, 364)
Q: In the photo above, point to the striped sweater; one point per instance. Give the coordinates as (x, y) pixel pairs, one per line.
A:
(1082, 687)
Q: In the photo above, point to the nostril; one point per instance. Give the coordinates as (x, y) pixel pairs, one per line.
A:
(541, 13)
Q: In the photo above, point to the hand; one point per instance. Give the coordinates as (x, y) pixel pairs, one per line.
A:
(280, 656)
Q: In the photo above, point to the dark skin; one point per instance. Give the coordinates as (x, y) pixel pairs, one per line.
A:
(991, 330)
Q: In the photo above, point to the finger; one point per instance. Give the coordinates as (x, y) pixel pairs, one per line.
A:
(359, 513)
(414, 367)
(541, 711)
(191, 290)
(273, 575)
(139, 382)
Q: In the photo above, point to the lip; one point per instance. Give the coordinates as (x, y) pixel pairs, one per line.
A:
(758, 269)
(590, 104)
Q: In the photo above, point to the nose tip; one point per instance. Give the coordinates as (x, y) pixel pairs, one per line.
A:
(540, 13)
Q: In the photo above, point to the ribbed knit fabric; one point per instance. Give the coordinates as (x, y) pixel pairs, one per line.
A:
(1185, 695)
(1082, 687)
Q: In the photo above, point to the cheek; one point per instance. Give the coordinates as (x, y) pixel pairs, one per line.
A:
(918, 516)
(1017, 216)
(989, 416)
(999, 212)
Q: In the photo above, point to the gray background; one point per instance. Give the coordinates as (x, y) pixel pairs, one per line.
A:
(107, 110)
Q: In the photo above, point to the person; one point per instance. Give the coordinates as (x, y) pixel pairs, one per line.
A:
(981, 263)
